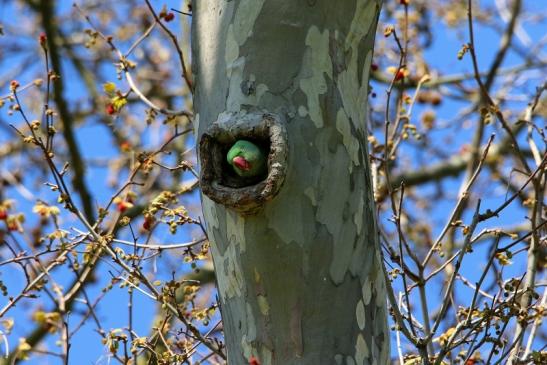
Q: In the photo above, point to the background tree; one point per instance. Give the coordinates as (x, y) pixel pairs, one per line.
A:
(104, 256)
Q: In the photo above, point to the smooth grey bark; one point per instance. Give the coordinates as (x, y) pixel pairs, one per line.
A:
(300, 281)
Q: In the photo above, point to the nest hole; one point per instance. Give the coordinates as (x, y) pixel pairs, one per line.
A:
(221, 183)
(228, 176)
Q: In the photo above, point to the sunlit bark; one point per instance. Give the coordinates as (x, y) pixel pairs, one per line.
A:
(300, 280)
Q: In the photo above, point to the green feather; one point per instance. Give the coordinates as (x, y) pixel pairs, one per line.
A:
(253, 154)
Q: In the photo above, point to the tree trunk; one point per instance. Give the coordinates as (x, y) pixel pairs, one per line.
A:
(296, 255)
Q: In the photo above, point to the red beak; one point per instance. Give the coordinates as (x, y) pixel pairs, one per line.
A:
(241, 163)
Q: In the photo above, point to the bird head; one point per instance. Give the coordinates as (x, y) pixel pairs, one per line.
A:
(247, 159)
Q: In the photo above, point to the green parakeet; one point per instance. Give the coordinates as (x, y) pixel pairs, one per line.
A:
(247, 159)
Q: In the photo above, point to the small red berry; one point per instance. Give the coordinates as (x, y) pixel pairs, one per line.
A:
(253, 361)
(125, 146)
(3, 214)
(374, 67)
(13, 85)
(400, 75)
(148, 223)
(42, 38)
(110, 110)
(121, 207)
(169, 16)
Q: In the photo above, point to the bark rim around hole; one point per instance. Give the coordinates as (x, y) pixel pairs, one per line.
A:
(220, 183)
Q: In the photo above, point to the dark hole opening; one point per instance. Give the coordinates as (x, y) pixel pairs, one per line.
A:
(228, 176)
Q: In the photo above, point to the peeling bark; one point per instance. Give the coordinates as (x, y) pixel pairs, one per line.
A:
(300, 280)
